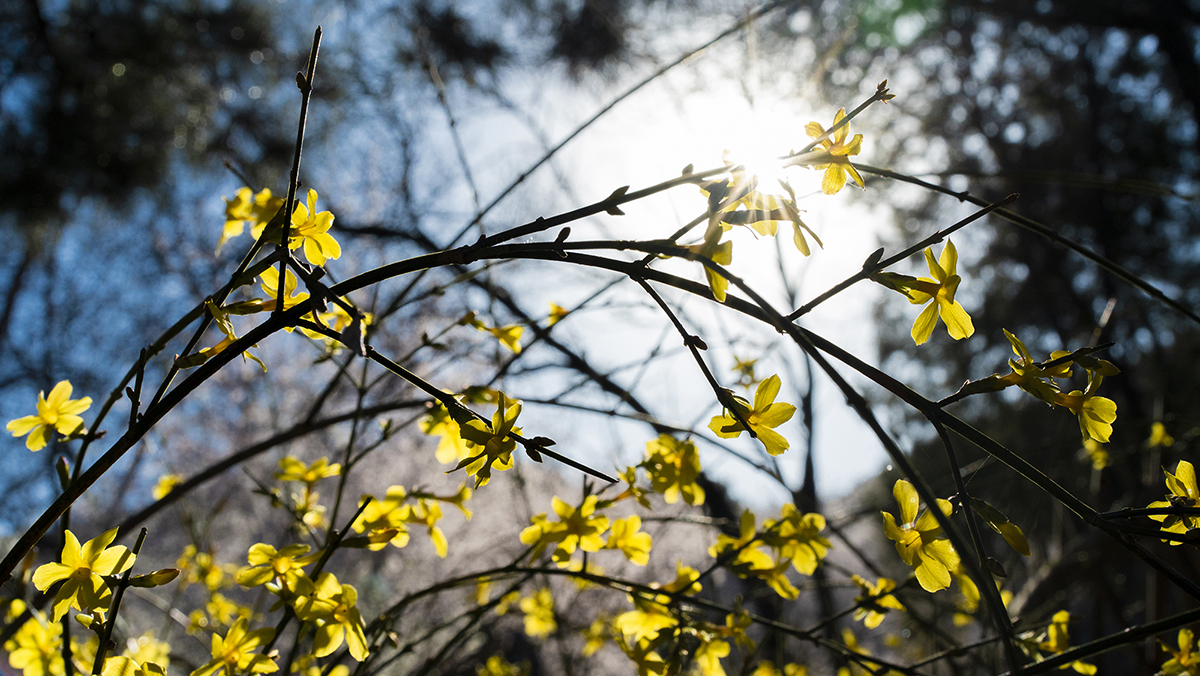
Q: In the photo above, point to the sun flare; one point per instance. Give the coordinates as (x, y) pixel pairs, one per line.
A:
(758, 140)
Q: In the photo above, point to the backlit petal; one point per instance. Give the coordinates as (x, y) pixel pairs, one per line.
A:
(958, 322)
(906, 498)
(923, 327)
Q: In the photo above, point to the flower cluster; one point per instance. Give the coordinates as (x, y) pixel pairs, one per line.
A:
(1096, 414)
(793, 540)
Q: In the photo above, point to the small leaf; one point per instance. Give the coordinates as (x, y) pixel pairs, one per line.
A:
(64, 471)
(995, 568)
(154, 579)
(563, 234)
(190, 361)
(1015, 538)
(687, 171)
(873, 259)
(999, 522)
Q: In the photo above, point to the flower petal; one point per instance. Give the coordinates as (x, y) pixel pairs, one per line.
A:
(22, 426)
(834, 179)
(923, 328)
(906, 497)
(958, 322)
(59, 395)
(46, 575)
(766, 392)
(948, 261)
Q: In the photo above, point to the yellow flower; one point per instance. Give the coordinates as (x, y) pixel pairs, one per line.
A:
(221, 318)
(146, 648)
(875, 600)
(292, 469)
(81, 570)
(387, 518)
(539, 614)
(269, 283)
(451, 447)
(673, 467)
(55, 412)
(940, 290)
(428, 513)
(557, 313)
(768, 668)
(1184, 661)
(649, 662)
(752, 561)
(708, 657)
(835, 159)
(1096, 414)
(332, 607)
(220, 611)
(496, 665)
(575, 528)
(284, 567)
(200, 567)
(745, 370)
(1159, 437)
(36, 648)
(311, 229)
(920, 541)
(233, 655)
(765, 415)
(596, 635)
(337, 319)
(721, 253)
(797, 537)
(645, 621)
(494, 442)
(1184, 493)
(245, 208)
(1027, 375)
(1057, 640)
(633, 544)
(166, 484)
(122, 665)
(1096, 453)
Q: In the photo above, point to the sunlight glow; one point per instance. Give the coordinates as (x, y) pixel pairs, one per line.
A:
(757, 139)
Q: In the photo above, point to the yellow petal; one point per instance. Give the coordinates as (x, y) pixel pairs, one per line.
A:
(948, 261)
(38, 438)
(46, 575)
(775, 415)
(834, 179)
(958, 322)
(932, 575)
(766, 392)
(906, 498)
(934, 269)
(113, 560)
(22, 426)
(774, 442)
(923, 328)
(59, 395)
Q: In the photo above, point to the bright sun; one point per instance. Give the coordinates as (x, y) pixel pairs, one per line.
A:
(757, 139)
